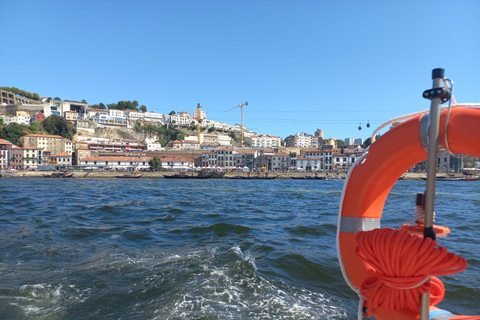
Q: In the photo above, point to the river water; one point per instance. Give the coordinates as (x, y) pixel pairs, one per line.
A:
(200, 249)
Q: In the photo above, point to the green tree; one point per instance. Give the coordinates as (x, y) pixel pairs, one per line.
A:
(172, 113)
(112, 106)
(211, 129)
(12, 132)
(57, 98)
(101, 106)
(135, 103)
(368, 141)
(57, 126)
(143, 108)
(36, 126)
(341, 143)
(156, 163)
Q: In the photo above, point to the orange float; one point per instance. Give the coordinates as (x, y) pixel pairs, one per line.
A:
(366, 188)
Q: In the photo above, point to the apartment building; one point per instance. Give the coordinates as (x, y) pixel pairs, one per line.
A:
(31, 157)
(323, 155)
(226, 158)
(299, 140)
(263, 141)
(55, 144)
(281, 161)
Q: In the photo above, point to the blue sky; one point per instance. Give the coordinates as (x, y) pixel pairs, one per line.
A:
(300, 65)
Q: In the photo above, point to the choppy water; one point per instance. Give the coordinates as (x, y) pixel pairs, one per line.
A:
(210, 249)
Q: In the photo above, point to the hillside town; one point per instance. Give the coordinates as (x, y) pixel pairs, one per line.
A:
(106, 139)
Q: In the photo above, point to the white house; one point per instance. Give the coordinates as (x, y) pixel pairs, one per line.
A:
(151, 144)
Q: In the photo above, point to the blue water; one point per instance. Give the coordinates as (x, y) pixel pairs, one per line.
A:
(200, 249)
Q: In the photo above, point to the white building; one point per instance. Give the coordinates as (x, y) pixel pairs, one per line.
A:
(203, 114)
(299, 140)
(20, 117)
(263, 141)
(108, 117)
(324, 155)
(122, 162)
(281, 161)
(310, 164)
(184, 114)
(151, 144)
(190, 145)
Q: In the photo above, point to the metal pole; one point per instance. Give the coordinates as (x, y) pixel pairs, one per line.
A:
(433, 140)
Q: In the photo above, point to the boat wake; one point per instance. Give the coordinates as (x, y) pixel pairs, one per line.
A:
(225, 285)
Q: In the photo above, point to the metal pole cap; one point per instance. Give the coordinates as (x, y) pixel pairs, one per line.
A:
(438, 73)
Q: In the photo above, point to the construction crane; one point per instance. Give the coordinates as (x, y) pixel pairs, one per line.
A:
(240, 106)
(198, 122)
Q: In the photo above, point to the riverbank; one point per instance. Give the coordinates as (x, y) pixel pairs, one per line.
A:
(158, 175)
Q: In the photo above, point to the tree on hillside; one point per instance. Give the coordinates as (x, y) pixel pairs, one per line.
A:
(126, 105)
(12, 132)
(211, 129)
(135, 103)
(57, 98)
(22, 93)
(57, 126)
(101, 106)
(123, 105)
(36, 126)
(172, 113)
(341, 143)
(143, 108)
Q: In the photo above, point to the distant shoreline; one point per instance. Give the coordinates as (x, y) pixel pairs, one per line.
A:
(159, 174)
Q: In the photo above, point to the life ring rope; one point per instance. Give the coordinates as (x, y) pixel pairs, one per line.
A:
(403, 264)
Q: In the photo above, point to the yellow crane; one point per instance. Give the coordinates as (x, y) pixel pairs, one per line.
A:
(240, 106)
(198, 122)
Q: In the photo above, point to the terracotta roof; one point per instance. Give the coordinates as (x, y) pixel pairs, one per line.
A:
(63, 154)
(44, 136)
(120, 158)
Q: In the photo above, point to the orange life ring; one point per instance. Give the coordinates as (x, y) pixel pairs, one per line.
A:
(371, 178)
